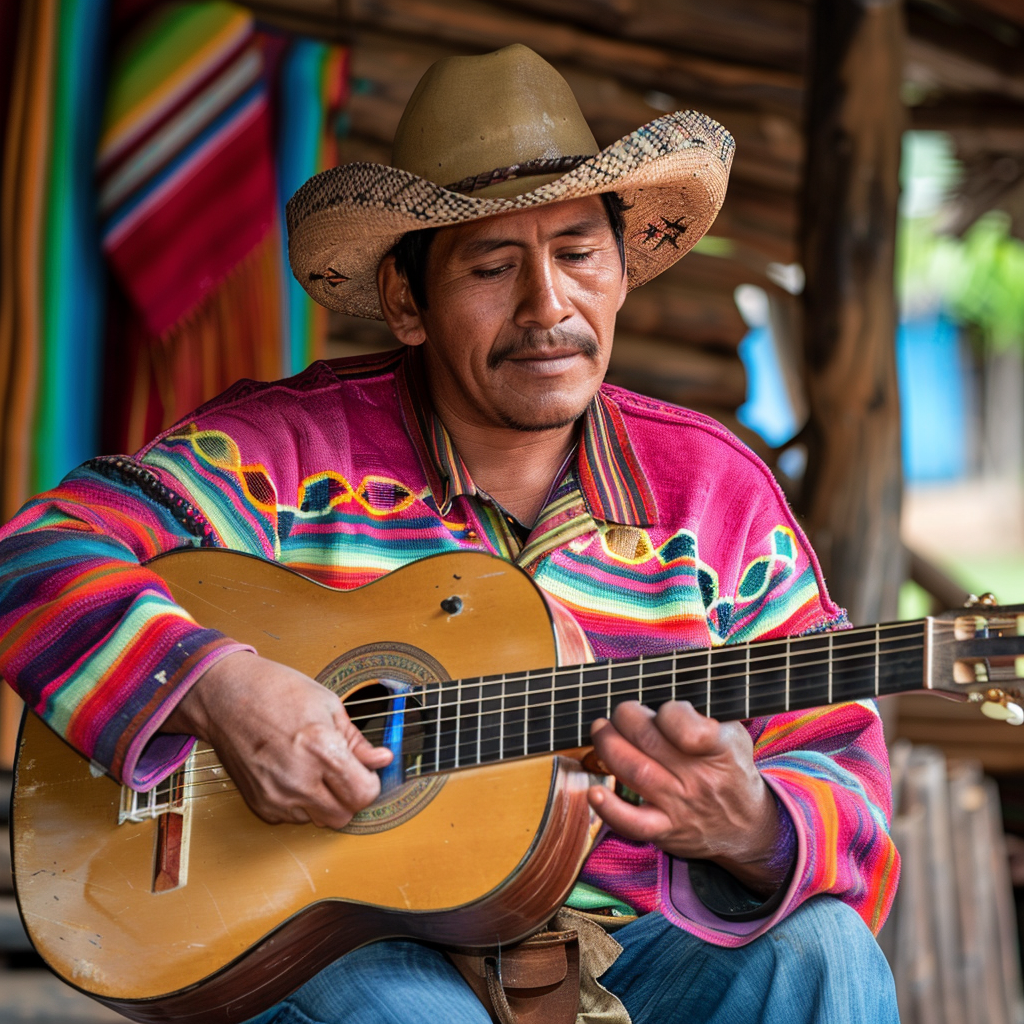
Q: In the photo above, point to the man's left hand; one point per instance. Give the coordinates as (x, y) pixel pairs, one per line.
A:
(703, 796)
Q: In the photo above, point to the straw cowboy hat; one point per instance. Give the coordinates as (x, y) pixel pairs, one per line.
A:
(490, 134)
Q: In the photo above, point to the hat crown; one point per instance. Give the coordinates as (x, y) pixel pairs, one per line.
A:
(471, 115)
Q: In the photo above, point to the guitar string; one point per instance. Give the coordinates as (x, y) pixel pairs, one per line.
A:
(649, 663)
(206, 787)
(445, 755)
(755, 687)
(796, 691)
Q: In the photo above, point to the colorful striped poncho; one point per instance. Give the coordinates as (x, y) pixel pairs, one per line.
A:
(663, 532)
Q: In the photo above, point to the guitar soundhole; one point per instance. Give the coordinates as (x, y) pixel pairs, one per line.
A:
(373, 709)
(382, 686)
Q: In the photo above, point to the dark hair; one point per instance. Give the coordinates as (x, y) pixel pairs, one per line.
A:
(413, 248)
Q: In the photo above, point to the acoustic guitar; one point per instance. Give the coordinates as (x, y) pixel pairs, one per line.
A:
(180, 904)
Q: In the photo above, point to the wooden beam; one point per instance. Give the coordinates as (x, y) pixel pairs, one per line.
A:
(952, 55)
(773, 33)
(479, 26)
(740, 265)
(1011, 10)
(697, 317)
(969, 112)
(851, 492)
(765, 220)
(676, 372)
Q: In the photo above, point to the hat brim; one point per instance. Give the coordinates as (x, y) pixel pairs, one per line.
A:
(672, 174)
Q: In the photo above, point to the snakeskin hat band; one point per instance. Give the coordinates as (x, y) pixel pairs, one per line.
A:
(488, 135)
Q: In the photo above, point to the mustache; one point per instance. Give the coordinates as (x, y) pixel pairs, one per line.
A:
(538, 343)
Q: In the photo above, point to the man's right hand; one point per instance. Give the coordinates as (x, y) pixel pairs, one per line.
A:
(286, 741)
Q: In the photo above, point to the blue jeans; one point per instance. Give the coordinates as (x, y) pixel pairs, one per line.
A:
(821, 964)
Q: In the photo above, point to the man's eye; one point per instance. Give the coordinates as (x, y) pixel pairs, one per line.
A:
(577, 257)
(492, 271)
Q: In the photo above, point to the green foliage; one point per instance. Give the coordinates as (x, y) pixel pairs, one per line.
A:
(978, 279)
(982, 276)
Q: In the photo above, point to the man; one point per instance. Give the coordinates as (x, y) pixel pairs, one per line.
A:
(498, 249)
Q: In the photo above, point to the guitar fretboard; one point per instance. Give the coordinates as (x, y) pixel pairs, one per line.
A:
(495, 718)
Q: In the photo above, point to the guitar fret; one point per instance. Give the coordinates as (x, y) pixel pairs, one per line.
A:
(707, 699)
(501, 726)
(810, 667)
(903, 651)
(437, 737)
(579, 717)
(472, 722)
(491, 723)
(746, 683)
(536, 734)
(458, 719)
(608, 711)
(878, 660)
(447, 756)
(515, 714)
(788, 667)
(551, 734)
(690, 679)
(659, 680)
(480, 725)
(830, 668)
(622, 681)
(768, 686)
(728, 686)
(854, 666)
(526, 715)
(593, 696)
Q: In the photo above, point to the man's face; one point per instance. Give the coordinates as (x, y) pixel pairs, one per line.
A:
(521, 314)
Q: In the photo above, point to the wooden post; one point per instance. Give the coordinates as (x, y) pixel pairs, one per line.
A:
(850, 498)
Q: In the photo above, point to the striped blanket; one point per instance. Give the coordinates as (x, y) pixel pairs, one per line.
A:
(185, 160)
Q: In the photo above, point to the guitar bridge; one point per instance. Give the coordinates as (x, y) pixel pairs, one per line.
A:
(169, 805)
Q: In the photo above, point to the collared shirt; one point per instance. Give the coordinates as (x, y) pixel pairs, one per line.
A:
(663, 532)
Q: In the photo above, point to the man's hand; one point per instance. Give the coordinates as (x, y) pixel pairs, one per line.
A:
(703, 797)
(285, 740)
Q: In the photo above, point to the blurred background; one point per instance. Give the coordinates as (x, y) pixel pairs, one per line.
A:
(856, 314)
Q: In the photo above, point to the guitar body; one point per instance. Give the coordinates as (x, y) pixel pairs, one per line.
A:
(470, 858)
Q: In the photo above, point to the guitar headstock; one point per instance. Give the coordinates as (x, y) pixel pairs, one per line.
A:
(977, 653)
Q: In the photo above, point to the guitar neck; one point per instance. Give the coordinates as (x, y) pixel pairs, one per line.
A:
(496, 718)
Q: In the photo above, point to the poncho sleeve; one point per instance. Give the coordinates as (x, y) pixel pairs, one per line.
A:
(89, 636)
(828, 767)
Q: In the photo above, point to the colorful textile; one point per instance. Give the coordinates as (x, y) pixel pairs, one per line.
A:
(50, 317)
(343, 474)
(22, 227)
(67, 419)
(311, 93)
(233, 333)
(185, 160)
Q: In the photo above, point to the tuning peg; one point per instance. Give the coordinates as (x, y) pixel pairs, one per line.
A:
(997, 705)
(987, 600)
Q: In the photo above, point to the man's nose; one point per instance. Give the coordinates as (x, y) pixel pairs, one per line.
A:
(543, 302)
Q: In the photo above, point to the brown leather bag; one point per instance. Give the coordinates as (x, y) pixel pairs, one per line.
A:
(536, 982)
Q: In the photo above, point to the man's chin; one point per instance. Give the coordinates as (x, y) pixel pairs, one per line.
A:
(539, 418)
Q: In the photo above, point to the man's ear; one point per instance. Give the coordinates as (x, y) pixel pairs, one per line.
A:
(397, 304)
